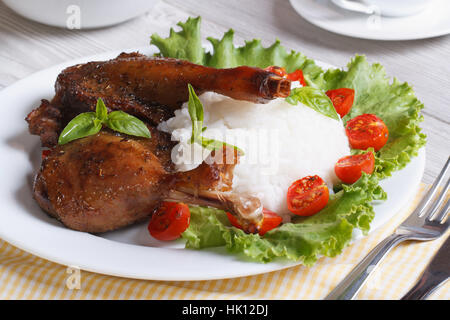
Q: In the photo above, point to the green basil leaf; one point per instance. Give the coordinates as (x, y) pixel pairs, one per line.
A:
(101, 111)
(212, 144)
(128, 124)
(195, 109)
(83, 125)
(314, 98)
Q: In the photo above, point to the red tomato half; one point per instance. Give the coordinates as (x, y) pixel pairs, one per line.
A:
(297, 75)
(270, 221)
(307, 196)
(365, 131)
(342, 99)
(349, 169)
(170, 221)
(277, 70)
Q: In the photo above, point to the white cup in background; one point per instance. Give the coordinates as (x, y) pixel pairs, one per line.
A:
(388, 8)
(80, 14)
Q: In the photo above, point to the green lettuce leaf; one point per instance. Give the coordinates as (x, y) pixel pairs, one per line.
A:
(305, 240)
(187, 44)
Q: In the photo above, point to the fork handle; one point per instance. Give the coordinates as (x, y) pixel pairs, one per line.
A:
(352, 283)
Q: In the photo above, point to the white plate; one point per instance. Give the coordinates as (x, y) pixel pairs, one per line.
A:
(129, 252)
(434, 21)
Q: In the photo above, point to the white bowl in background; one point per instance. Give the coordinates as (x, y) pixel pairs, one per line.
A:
(80, 14)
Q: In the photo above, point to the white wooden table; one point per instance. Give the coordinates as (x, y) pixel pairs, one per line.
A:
(26, 47)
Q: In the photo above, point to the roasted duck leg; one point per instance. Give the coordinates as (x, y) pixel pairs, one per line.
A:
(147, 87)
(151, 87)
(107, 181)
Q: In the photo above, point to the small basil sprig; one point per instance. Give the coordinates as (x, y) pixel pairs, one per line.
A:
(314, 98)
(89, 123)
(195, 109)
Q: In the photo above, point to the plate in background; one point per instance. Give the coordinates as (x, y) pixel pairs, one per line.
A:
(434, 21)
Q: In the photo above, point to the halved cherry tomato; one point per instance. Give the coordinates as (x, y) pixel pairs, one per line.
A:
(342, 99)
(280, 71)
(349, 169)
(365, 131)
(307, 196)
(45, 153)
(297, 75)
(170, 221)
(270, 221)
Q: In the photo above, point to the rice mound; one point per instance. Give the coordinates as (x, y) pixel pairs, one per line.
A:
(282, 143)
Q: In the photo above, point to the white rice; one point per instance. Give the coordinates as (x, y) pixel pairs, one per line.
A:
(282, 143)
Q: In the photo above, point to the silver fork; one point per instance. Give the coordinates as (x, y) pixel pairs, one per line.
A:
(425, 223)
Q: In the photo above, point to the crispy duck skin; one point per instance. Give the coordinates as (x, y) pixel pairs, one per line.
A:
(105, 181)
(152, 88)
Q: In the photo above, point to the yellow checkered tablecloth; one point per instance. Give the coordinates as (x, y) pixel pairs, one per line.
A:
(24, 276)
